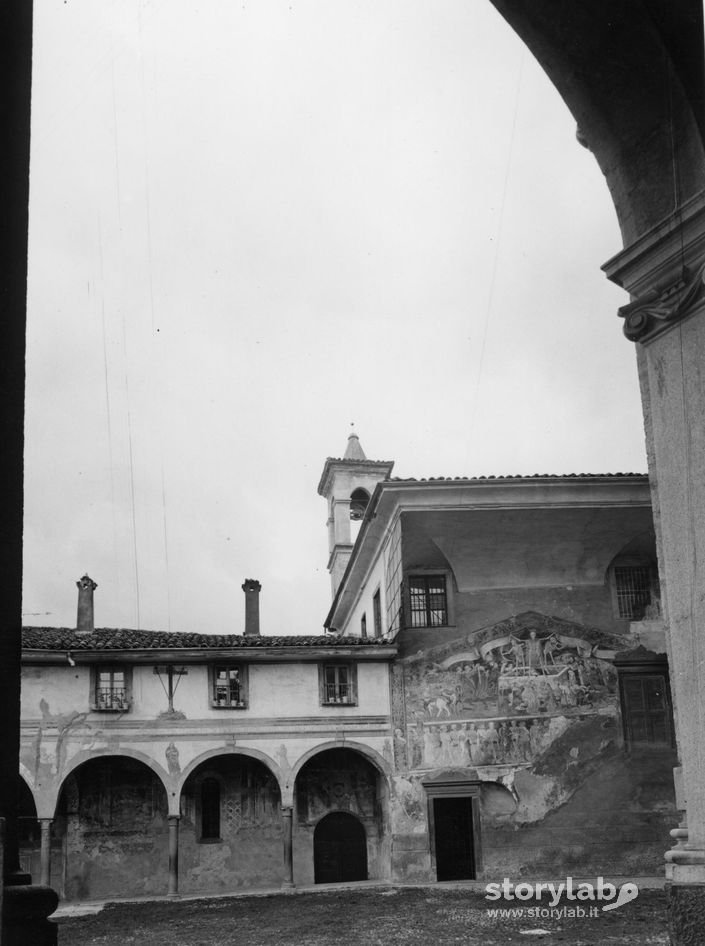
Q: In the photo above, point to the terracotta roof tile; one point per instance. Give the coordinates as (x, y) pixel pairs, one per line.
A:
(60, 638)
(515, 476)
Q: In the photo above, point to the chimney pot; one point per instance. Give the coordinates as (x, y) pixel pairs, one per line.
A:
(85, 623)
(252, 588)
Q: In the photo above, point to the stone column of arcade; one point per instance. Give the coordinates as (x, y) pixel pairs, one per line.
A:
(173, 890)
(45, 852)
(664, 271)
(287, 824)
(25, 908)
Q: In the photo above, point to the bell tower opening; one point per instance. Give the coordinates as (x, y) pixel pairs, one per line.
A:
(347, 484)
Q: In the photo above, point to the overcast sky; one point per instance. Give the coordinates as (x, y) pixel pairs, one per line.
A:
(252, 224)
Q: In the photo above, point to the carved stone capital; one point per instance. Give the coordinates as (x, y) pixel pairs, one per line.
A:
(657, 310)
(664, 273)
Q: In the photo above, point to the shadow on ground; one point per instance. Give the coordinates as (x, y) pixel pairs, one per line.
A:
(373, 917)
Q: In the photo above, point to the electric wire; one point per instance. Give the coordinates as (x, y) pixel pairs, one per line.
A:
(498, 240)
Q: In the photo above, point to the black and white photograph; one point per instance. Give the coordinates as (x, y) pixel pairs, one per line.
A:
(352, 404)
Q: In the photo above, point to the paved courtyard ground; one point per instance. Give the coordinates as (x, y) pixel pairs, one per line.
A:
(429, 916)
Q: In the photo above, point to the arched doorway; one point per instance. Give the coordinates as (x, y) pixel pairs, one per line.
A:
(340, 832)
(230, 833)
(339, 849)
(111, 820)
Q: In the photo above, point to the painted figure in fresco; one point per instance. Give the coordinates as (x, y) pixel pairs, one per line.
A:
(523, 741)
(454, 744)
(517, 649)
(493, 741)
(535, 735)
(534, 651)
(446, 757)
(530, 698)
(513, 734)
(473, 742)
(434, 749)
(551, 645)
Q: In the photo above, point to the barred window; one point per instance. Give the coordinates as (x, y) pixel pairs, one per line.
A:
(338, 684)
(428, 603)
(110, 692)
(228, 689)
(633, 584)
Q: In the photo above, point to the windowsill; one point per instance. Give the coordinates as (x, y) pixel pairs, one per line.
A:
(339, 703)
(226, 706)
(110, 709)
(210, 841)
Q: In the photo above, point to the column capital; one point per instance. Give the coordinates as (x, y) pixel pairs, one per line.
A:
(664, 272)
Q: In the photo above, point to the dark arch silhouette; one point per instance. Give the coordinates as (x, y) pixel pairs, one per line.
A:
(339, 849)
(359, 500)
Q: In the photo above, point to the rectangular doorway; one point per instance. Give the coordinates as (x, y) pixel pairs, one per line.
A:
(454, 838)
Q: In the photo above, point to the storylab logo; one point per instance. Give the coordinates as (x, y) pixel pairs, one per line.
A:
(610, 896)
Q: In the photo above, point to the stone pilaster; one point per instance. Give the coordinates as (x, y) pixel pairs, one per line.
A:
(664, 271)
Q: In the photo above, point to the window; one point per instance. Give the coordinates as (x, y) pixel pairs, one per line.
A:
(363, 626)
(634, 585)
(228, 686)
(111, 689)
(428, 605)
(646, 709)
(338, 683)
(210, 809)
(377, 612)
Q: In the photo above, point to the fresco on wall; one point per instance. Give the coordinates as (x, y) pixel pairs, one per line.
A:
(336, 783)
(487, 699)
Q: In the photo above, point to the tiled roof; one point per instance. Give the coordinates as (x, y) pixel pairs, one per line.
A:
(516, 476)
(60, 638)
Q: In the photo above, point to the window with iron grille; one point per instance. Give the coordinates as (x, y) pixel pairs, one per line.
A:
(228, 686)
(338, 683)
(377, 612)
(633, 585)
(428, 603)
(111, 690)
(646, 709)
(210, 809)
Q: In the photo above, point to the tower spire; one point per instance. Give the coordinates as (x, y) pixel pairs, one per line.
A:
(354, 450)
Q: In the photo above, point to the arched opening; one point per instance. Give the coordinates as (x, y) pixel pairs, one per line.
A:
(339, 849)
(340, 782)
(111, 822)
(28, 832)
(633, 580)
(359, 500)
(231, 829)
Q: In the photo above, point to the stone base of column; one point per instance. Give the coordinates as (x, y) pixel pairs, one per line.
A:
(26, 909)
(686, 913)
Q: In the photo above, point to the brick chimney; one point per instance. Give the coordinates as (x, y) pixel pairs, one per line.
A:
(252, 588)
(84, 619)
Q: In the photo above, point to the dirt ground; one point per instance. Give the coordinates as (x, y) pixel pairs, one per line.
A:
(373, 917)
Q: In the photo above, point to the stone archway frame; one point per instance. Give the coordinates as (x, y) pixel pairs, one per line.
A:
(49, 800)
(221, 751)
(28, 781)
(375, 758)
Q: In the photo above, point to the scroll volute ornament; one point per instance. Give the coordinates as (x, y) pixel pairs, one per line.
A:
(658, 309)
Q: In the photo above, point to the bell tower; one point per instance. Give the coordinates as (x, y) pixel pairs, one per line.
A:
(347, 484)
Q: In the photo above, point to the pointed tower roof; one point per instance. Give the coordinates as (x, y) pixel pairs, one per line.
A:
(354, 461)
(354, 450)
